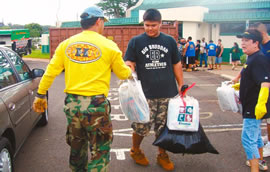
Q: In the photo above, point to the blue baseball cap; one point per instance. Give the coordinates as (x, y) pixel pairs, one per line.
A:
(92, 12)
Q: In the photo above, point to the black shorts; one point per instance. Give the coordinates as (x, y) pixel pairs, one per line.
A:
(184, 58)
(197, 57)
(190, 60)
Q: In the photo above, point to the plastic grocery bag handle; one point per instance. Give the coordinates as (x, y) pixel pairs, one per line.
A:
(184, 93)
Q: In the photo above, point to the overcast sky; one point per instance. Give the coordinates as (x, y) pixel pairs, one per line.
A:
(43, 12)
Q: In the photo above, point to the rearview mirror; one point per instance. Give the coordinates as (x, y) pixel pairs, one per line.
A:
(37, 73)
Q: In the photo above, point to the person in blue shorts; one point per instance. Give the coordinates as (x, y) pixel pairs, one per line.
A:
(219, 53)
(254, 96)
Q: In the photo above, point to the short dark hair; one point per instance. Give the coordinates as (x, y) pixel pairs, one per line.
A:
(189, 38)
(87, 23)
(152, 15)
(211, 41)
(219, 40)
(199, 41)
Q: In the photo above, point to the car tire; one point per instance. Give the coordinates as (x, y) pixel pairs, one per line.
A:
(44, 116)
(6, 155)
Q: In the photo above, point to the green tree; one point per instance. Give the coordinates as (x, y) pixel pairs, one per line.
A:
(116, 8)
(46, 28)
(5, 27)
(34, 29)
(16, 26)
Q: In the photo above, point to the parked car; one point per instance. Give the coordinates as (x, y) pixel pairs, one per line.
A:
(18, 86)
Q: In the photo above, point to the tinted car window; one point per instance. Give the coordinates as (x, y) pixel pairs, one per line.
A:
(20, 66)
(7, 75)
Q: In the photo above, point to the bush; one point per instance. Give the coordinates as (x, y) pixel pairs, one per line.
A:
(243, 59)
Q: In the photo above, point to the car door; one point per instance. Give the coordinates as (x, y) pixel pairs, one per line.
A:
(25, 79)
(15, 96)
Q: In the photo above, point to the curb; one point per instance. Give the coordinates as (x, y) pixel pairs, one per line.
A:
(229, 77)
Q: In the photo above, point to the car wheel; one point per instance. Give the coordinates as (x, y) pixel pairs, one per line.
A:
(6, 155)
(44, 116)
(44, 119)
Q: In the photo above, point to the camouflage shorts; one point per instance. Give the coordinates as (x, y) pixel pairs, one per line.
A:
(158, 116)
(88, 121)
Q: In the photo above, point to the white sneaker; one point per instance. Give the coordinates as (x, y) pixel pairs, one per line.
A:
(266, 150)
(265, 139)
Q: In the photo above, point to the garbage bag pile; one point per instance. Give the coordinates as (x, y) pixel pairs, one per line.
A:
(183, 132)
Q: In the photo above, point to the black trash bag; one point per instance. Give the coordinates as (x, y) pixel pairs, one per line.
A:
(185, 142)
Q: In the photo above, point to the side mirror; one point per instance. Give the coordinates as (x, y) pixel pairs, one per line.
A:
(37, 73)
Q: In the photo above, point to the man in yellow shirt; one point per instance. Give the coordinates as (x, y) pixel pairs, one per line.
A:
(88, 59)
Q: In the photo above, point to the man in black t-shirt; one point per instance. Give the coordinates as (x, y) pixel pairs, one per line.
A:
(156, 59)
(254, 96)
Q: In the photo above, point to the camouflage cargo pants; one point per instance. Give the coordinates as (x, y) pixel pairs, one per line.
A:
(158, 117)
(88, 120)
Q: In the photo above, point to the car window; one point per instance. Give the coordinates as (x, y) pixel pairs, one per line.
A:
(7, 75)
(19, 64)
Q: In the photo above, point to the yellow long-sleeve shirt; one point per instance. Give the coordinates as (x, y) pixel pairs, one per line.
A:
(88, 59)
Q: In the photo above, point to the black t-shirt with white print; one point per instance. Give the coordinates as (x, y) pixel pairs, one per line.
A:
(154, 59)
(255, 71)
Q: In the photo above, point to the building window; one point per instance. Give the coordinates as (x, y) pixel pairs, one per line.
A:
(232, 28)
(266, 23)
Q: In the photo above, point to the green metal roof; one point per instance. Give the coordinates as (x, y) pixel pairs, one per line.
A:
(211, 4)
(112, 22)
(219, 10)
(237, 6)
(162, 4)
(71, 24)
(225, 16)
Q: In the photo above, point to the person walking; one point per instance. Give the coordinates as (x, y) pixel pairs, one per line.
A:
(88, 59)
(254, 96)
(219, 53)
(203, 56)
(235, 55)
(157, 61)
(211, 52)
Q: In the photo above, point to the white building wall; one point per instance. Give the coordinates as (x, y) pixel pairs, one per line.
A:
(215, 33)
(196, 30)
(190, 29)
(203, 31)
(45, 39)
(229, 40)
(191, 14)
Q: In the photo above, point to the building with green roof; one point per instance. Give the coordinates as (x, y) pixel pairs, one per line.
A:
(212, 19)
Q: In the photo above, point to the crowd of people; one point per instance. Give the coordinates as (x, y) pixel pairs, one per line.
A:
(206, 55)
(150, 54)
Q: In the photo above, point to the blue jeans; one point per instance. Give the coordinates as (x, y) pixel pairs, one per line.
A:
(203, 57)
(251, 138)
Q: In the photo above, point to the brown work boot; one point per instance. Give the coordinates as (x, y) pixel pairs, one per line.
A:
(164, 161)
(139, 157)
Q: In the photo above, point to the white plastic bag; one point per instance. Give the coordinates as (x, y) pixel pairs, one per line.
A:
(237, 99)
(133, 102)
(183, 114)
(227, 97)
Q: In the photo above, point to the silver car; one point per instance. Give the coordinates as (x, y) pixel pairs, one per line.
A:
(18, 86)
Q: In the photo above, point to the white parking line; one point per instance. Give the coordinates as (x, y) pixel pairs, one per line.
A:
(207, 128)
(120, 153)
